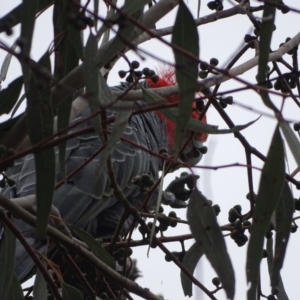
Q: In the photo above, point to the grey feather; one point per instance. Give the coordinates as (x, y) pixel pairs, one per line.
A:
(87, 200)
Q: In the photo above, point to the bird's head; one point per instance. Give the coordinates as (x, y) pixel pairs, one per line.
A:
(192, 153)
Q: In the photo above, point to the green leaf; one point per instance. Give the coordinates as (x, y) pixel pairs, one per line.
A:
(91, 75)
(95, 246)
(282, 293)
(70, 293)
(292, 140)
(9, 96)
(7, 258)
(6, 126)
(270, 188)
(29, 10)
(14, 16)
(266, 31)
(15, 292)
(185, 36)
(284, 216)
(6, 63)
(190, 261)
(194, 125)
(206, 231)
(129, 8)
(40, 126)
(120, 41)
(68, 49)
(40, 291)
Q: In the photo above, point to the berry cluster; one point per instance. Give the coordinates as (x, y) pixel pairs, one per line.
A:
(224, 101)
(133, 73)
(207, 68)
(238, 233)
(121, 255)
(290, 80)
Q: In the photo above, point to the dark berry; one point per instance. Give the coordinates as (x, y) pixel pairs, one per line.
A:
(129, 78)
(216, 209)
(154, 78)
(265, 253)
(122, 73)
(204, 66)
(212, 5)
(297, 201)
(214, 62)
(138, 74)
(285, 9)
(202, 74)
(135, 64)
(216, 281)
(146, 71)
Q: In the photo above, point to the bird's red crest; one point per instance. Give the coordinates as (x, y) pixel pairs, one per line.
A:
(167, 78)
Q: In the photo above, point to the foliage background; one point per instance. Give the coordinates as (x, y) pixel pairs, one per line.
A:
(227, 186)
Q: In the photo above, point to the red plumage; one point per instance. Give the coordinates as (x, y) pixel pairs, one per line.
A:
(167, 78)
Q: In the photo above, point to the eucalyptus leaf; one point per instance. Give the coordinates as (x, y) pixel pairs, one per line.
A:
(15, 15)
(15, 292)
(292, 140)
(70, 293)
(7, 257)
(40, 291)
(190, 261)
(185, 36)
(28, 12)
(95, 246)
(282, 295)
(194, 125)
(206, 231)
(91, 75)
(270, 188)
(68, 50)
(9, 96)
(40, 126)
(284, 217)
(6, 63)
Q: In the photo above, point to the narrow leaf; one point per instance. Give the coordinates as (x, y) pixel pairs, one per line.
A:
(194, 125)
(126, 29)
(40, 126)
(185, 36)
(95, 246)
(6, 63)
(15, 292)
(9, 96)
(282, 293)
(206, 231)
(14, 16)
(266, 31)
(270, 187)
(292, 140)
(284, 216)
(7, 258)
(40, 291)
(190, 261)
(70, 293)
(68, 49)
(92, 82)
(29, 10)
(7, 125)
